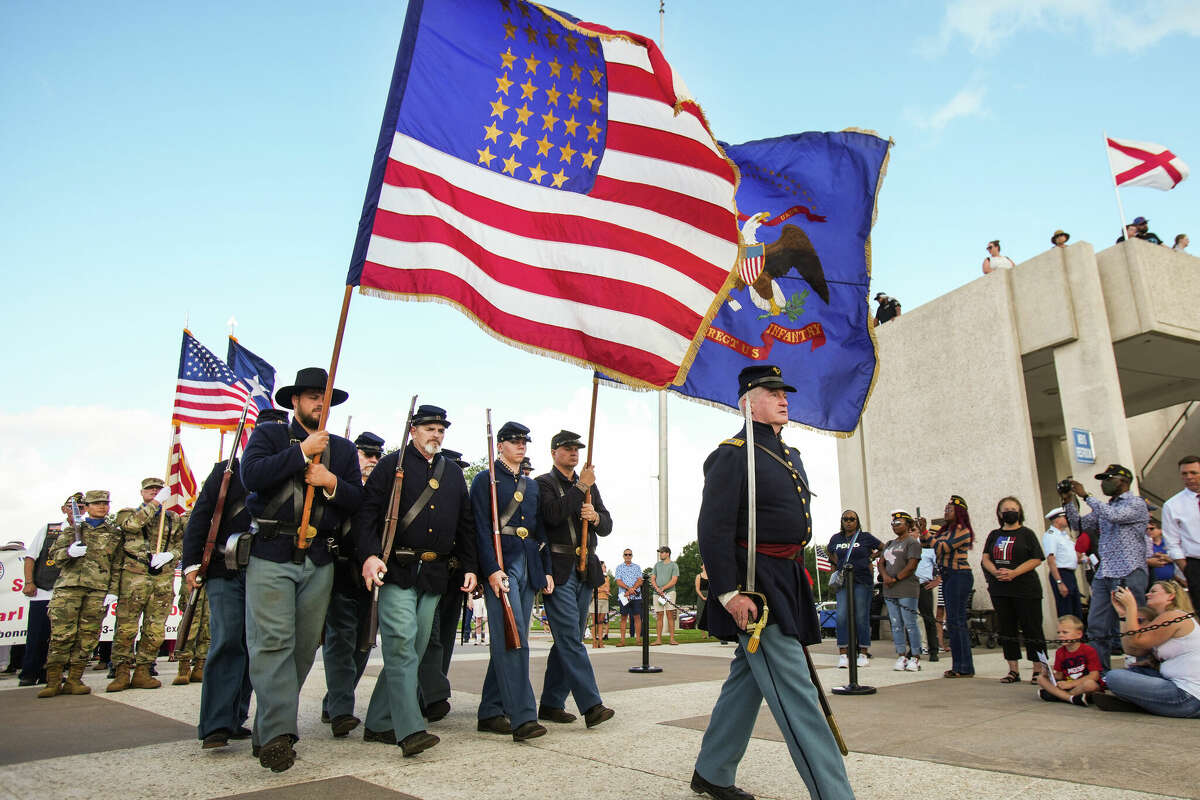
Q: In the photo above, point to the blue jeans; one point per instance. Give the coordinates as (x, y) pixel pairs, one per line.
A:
(956, 589)
(225, 694)
(862, 615)
(902, 614)
(568, 668)
(1102, 617)
(1150, 690)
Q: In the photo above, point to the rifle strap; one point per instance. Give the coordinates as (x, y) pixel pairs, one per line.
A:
(423, 499)
(294, 489)
(515, 502)
(570, 521)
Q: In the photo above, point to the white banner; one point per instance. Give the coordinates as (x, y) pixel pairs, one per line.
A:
(14, 605)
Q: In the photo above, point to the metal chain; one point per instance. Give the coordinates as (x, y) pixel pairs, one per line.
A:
(1111, 638)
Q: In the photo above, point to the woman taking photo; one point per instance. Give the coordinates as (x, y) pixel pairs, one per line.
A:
(1010, 559)
(897, 570)
(952, 544)
(854, 548)
(1173, 690)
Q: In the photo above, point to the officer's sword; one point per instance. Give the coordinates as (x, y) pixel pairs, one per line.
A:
(752, 534)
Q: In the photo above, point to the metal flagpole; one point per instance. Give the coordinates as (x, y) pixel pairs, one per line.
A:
(1116, 189)
(663, 535)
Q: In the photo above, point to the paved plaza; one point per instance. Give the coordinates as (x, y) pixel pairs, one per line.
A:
(920, 735)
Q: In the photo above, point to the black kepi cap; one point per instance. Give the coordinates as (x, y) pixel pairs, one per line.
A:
(565, 439)
(513, 430)
(428, 415)
(455, 457)
(766, 375)
(1115, 471)
(369, 443)
(309, 378)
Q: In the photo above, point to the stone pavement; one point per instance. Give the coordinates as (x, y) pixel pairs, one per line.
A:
(919, 736)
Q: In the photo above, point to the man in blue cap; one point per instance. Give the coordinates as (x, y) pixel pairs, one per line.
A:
(435, 525)
(778, 670)
(288, 579)
(507, 704)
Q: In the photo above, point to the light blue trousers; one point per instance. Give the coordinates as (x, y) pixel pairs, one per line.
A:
(779, 673)
(568, 668)
(506, 688)
(405, 619)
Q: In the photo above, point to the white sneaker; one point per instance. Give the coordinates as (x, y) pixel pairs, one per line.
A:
(913, 665)
(843, 661)
(864, 660)
(900, 663)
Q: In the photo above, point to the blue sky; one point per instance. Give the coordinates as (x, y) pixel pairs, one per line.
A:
(161, 163)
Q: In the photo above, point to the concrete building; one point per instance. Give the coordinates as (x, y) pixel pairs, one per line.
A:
(979, 390)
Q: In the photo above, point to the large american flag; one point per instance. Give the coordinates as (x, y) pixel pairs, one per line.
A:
(207, 393)
(181, 483)
(555, 181)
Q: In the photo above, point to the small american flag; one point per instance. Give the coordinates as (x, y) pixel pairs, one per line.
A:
(823, 564)
(181, 483)
(207, 393)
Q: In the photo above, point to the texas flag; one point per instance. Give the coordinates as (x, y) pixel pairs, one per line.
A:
(1145, 164)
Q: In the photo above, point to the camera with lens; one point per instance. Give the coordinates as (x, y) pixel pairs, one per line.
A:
(1064, 486)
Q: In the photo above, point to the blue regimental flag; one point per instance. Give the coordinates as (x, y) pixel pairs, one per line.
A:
(800, 297)
(253, 371)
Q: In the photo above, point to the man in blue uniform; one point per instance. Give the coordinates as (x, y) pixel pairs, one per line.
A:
(507, 704)
(348, 614)
(563, 507)
(288, 586)
(778, 670)
(435, 523)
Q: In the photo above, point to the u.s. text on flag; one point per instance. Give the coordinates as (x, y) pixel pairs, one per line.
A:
(207, 393)
(553, 180)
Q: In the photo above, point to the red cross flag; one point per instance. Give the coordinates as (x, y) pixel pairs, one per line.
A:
(1145, 164)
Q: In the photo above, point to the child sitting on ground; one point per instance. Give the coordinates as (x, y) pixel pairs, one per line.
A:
(1076, 666)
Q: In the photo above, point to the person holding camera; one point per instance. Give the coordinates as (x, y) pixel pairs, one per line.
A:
(1011, 555)
(1122, 544)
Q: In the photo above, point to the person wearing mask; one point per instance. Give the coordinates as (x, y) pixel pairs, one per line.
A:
(854, 549)
(952, 545)
(897, 569)
(1061, 561)
(1011, 555)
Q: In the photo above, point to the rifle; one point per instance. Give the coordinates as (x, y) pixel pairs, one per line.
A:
(367, 638)
(214, 527)
(587, 498)
(512, 637)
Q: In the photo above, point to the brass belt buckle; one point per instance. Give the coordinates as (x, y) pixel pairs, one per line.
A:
(429, 556)
(521, 532)
(578, 552)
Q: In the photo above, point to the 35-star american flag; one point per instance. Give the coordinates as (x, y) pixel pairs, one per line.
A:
(552, 179)
(207, 393)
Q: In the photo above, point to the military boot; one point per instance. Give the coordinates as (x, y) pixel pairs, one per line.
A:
(142, 678)
(74, 683)
(197, 675)
(53, 681)
(121, 682)
(181, 679)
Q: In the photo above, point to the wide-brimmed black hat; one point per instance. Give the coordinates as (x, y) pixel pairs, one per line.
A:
(369, 443)
(428, 415)
(513, 430)
(271, 415)
(1115, 471)
(766, 375)
(309, 378)
(565, 438)
(454, 456)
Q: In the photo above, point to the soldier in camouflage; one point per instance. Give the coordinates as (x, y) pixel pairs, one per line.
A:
(86, 584)
(194, 651)
(147, 576)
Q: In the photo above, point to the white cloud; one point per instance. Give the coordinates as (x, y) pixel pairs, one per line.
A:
(1129, 25)
(967, 102)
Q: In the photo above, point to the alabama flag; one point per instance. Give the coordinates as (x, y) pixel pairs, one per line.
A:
(1144, 164)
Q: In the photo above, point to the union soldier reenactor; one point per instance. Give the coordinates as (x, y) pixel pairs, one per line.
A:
(507, 704)
(435, 525)
(778, 669)
(563, 507)
(348, 616)
(152, 540)
(87, 583)
(290, 571)
(225, 691)
(434, 674)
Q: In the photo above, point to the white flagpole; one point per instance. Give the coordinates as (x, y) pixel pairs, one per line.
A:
(1116, 189)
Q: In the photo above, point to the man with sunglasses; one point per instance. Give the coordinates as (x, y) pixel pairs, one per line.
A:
(629, 592)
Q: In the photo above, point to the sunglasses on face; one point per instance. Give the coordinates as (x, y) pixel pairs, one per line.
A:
(628, 555)
(849, 519)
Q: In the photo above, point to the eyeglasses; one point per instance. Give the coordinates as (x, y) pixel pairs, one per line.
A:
(849, 519)
(627, 555)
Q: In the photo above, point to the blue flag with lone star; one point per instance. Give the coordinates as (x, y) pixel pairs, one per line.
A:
(254, 371)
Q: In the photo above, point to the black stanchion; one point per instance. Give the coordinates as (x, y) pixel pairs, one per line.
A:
(645, 666)
(853, 687)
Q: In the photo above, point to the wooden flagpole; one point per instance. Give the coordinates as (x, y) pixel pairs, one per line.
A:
(587, 498)
(305, 534)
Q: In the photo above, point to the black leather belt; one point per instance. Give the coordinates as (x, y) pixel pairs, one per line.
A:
(271, 528)
(564, 549)
(520, 533)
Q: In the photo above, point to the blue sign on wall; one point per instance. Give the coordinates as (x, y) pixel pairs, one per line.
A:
(1082, 441)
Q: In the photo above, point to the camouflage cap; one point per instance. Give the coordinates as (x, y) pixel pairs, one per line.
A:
(153, 483)
(75, 498)
(96, 496)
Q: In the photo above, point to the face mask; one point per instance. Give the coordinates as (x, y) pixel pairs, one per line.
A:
(1111, 487)
(1010, 517)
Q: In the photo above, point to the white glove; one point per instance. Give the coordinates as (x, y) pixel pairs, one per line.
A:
(109, 599)
(76, 549)
(158, 559)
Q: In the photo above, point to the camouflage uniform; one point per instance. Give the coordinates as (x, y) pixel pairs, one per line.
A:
(142, 594)
(195, 649)
(77, 607)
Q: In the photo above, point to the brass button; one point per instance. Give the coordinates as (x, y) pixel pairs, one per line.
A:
(432, 506)
(790, 464)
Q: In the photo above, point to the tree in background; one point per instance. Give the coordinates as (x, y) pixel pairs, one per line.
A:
(476, 467)
(689, 568)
